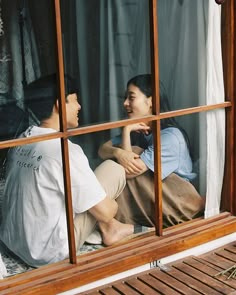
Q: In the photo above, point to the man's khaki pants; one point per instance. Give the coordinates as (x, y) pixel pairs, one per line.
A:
(112, 178)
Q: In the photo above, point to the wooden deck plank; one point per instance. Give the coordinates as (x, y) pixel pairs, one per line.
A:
(231, 248)
(109, 291)
(205, 262)
(189, 276)
(205, 278)
(219, 261)
(170, 281)
(125, 289)
(116, 289)
(192, 282)
(203, 267)
(158, 285)
(141, 287)
(228, 255)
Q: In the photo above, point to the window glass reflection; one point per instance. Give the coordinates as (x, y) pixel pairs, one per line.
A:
(105, 44)
(190, 60)
(27, 52)
(195, 126)
(183, 161)
(113, 169)
(183, 157)
(33, 218)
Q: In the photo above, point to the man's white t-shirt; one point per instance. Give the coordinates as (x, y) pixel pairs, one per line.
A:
(34, 218)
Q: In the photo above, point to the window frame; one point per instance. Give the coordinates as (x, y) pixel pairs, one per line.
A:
(77, 271)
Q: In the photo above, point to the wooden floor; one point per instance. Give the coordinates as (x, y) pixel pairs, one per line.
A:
(191, 275)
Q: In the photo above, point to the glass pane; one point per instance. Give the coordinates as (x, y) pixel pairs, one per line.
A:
(90, 143)
(13, 119)
(33, 217)
(190, 63)
(105, 44)
(27, 53)
(183, 170)
(111, 176)
(184, 158)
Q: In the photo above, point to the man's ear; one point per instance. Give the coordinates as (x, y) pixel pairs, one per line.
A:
(150, 101)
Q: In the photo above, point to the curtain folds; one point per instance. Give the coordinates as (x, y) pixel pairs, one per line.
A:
(11, 70)
(215, 119)
(113, 46)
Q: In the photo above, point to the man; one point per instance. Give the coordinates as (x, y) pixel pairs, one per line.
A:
(34, 218)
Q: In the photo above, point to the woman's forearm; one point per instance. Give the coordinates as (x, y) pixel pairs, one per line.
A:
(126, 141)
(108, 151)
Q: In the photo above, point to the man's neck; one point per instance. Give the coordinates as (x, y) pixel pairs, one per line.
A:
(52, 122)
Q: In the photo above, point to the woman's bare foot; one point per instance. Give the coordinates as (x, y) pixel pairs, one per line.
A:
(114, 231)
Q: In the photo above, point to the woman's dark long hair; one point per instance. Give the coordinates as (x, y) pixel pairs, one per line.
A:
(144, 83)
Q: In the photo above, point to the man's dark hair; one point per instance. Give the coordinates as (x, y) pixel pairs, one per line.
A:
(41, 95)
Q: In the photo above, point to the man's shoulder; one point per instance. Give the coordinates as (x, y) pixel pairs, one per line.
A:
(34, 130)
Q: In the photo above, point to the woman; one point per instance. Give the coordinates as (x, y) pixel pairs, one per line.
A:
(134, 150)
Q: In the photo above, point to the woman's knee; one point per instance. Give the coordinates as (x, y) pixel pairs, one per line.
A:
(111, 175)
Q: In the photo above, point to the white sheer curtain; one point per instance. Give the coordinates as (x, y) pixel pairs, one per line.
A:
(215, 119)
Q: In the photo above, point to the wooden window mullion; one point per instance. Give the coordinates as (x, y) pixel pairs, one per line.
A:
(156, 126)
(228, 202)
(64, 139)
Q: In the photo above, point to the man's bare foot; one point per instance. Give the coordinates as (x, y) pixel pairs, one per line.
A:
(114, 231)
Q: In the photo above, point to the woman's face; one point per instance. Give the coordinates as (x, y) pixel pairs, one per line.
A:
(136, 103)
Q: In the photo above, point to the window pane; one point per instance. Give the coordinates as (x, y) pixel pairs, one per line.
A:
(33, 216)
(90, 144)
(190, 53)
(105, 44)
(28, 52)
(184, 159)
(13, 119)
(107, 166)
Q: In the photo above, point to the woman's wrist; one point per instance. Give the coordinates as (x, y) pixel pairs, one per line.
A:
(127, 129)
(116, 153)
